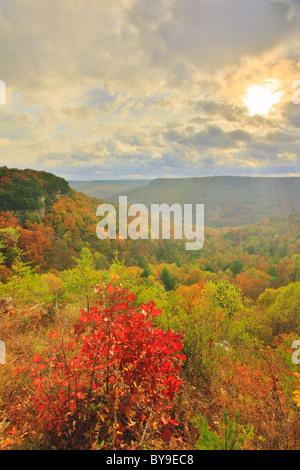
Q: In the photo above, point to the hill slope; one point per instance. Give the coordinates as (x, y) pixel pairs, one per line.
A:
(29, 190)
(106, 189)
(257, 256)
(229, 200)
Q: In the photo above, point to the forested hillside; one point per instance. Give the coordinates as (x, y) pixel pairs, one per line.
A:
(254, 257)
(25, 190)
(140, 344)
(229, 200)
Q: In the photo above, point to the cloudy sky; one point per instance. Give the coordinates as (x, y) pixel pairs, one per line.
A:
(110, 89)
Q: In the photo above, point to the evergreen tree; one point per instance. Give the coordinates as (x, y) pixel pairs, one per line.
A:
(147, 271)
(167, 279)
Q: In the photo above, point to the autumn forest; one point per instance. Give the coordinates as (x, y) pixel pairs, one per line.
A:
(140, 344)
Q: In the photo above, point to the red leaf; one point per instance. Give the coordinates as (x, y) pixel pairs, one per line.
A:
(166, 433)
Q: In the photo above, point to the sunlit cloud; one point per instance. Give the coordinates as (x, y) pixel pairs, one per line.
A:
(260, 99)
(150, 87)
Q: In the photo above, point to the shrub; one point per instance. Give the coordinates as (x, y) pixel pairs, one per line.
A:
(113, 382)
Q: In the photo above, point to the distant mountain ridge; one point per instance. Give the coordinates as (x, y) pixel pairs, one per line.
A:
(230, 201)
(52, 238)
(105, 189)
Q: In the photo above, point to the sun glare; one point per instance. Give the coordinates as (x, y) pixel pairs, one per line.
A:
(260, 99)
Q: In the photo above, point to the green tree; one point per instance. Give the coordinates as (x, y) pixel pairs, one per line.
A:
(225, 295)
(168, 279)
(80, 279)
(146, 271)
(142, 261)
(282, 312)
(295, 262)
(236, 266)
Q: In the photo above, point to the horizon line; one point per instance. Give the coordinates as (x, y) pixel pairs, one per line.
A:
(180, 177)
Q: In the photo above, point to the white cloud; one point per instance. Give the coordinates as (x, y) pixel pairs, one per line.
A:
(141, 85)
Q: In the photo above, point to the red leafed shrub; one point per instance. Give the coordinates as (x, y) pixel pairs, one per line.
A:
(113, 382)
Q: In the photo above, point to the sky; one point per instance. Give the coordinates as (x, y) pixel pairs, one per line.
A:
(129, 89)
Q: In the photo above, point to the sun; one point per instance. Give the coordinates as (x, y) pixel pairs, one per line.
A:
(260, 99)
